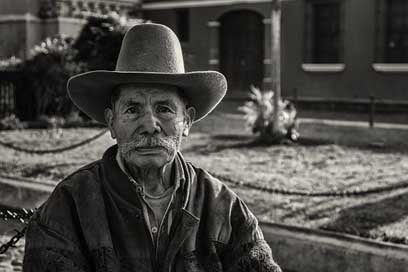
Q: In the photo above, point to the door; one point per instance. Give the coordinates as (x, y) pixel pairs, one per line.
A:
(242, 49)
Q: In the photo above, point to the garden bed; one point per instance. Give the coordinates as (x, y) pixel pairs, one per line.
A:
(221, 144)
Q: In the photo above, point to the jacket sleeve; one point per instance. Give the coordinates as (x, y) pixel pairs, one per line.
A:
(48, 250)
(52, 239)
(247, 249)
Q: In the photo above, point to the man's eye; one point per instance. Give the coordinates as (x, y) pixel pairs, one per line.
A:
(164, 109)
(130, 110)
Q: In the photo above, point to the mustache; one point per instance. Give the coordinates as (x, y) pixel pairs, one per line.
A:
(167, 142)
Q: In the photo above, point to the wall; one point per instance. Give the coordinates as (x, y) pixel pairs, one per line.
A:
(16, 17)
(359, 79)
(13, 7)
(203, 39)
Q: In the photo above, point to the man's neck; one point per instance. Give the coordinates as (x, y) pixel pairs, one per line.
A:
(155, 181)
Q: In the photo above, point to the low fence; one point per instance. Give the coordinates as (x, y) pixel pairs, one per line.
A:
(8, 91)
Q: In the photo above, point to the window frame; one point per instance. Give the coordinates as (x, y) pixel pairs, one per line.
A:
(381, 64)
(309, 39)
(183, 20)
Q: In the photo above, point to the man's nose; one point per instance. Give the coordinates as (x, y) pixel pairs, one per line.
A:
(150, 123)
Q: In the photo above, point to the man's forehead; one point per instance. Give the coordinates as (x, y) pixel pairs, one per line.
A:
(150, 91)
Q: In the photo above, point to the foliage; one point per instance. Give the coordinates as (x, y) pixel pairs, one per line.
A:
(10, 63)
(100, 39)
(11, 122)
(45, 75)
(48, 9)
(259, 116)
(56, 59)
(52, 121)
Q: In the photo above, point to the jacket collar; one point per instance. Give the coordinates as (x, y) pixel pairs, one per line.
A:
(119, 183)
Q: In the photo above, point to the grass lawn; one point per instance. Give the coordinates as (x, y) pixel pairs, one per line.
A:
(221, 144)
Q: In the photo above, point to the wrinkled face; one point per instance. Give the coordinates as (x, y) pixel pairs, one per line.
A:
(148, 122)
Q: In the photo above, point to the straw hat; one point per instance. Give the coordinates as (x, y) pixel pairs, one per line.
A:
(150, 53)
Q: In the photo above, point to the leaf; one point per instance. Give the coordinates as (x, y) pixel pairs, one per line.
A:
(259, 115)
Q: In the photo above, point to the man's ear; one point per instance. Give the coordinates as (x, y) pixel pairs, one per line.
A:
(190, 115)
(109, 121)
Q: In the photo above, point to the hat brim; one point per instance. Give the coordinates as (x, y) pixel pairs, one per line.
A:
(91, 91)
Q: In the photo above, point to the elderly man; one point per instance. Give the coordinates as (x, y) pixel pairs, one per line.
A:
(142, 207)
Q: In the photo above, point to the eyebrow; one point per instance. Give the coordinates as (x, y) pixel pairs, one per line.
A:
(131, 102)
(166, 102)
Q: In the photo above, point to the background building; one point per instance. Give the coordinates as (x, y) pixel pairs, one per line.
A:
(332, 50)
(25, 23)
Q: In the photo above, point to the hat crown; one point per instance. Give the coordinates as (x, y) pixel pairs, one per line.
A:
(150, 48)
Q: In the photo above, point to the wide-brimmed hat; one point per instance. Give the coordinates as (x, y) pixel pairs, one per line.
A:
(150, 53)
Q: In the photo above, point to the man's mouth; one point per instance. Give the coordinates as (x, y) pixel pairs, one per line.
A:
(149, 149)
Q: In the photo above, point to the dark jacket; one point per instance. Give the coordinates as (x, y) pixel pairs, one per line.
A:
(88, 225)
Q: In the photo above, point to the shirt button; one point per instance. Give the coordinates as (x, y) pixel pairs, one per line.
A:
(139, 189)
(154, 230)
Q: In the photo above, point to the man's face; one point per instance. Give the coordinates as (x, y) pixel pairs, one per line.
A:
(148, 122)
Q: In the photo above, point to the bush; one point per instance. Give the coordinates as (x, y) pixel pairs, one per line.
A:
(99, 42)
(42, 90)
(44, 78)
(10, 64)
(259, 116)
(11, 122)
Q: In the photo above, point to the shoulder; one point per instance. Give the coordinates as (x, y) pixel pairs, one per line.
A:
(85, 179)
(70, 195)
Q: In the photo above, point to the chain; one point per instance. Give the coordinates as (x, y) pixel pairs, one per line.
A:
(13, 241)
(20, 214)
(333, 193)
(23, 215)
(55, 150)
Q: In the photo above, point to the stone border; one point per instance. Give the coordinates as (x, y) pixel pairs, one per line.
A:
(309, 250)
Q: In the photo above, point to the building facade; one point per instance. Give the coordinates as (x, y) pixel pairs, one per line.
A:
(341, 50)
(25, 23)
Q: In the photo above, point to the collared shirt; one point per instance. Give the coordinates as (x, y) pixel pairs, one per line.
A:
(156, 209)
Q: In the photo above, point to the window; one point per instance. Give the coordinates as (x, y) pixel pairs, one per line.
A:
(323, 33)
(183, 24)
(392, 24)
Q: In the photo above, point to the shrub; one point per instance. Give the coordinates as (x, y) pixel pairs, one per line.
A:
(259, 117)
(45, 74)
(11, 122)
(99, 41)
(10, 63)
(74, 119)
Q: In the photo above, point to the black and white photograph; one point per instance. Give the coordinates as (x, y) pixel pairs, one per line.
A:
(204, 135)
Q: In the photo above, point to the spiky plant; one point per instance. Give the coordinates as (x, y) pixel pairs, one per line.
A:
(259, 117)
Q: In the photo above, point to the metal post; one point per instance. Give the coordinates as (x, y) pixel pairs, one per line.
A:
(372, 111)
(295, 96)
(276, 62)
